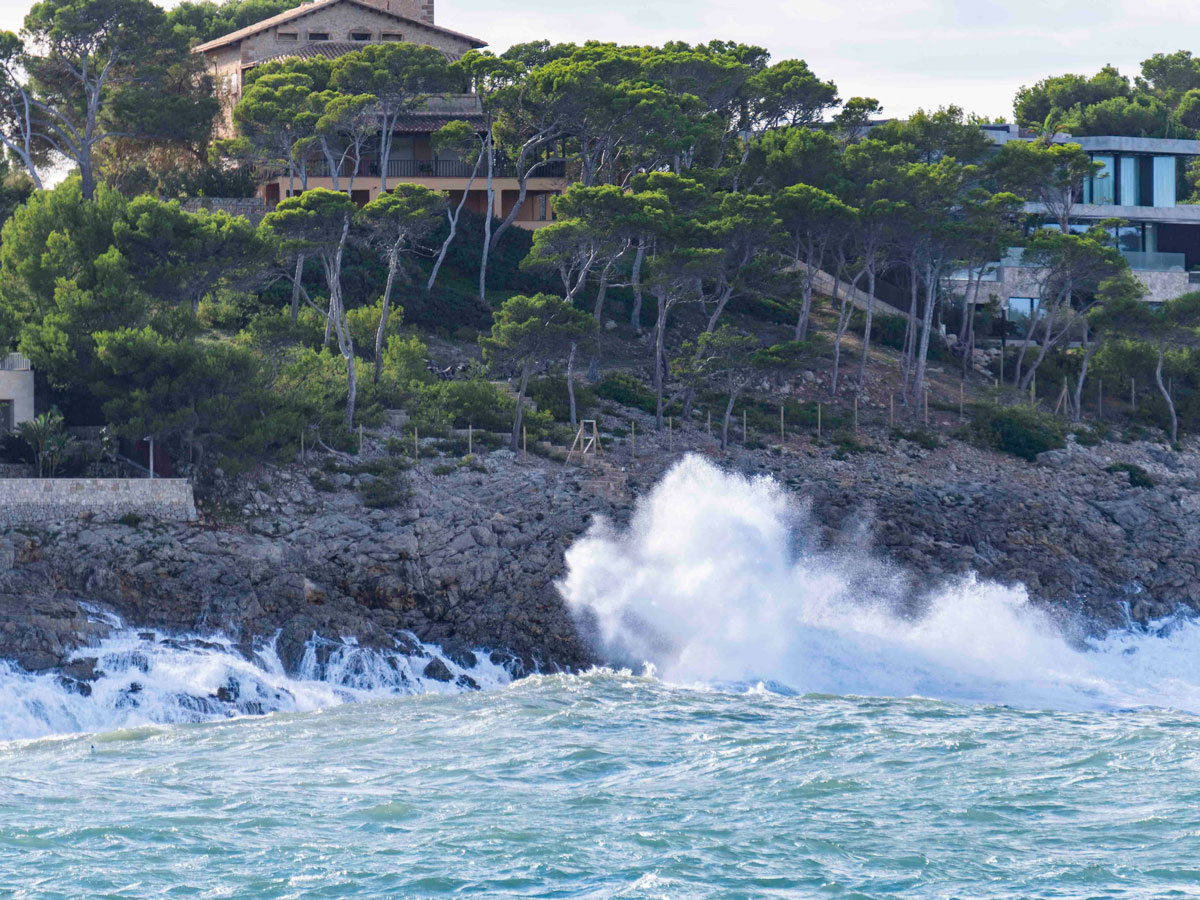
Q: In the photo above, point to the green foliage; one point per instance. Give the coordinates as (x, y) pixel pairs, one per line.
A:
(1017, 430)
(627, 390)
(927, 440)
(550, 395)
(1138, 477)
(47, 437)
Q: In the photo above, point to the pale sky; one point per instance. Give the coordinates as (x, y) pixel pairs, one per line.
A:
(905, 53)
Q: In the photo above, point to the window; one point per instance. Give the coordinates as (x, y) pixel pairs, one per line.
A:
(1020, 312)
(1129, 181)
(1102, 183)
(542, 207)
(1164, 181)
(286, 36)
(360, 35)
(318, 35)
(391, 36)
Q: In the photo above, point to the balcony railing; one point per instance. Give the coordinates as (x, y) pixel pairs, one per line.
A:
(15, 362)
(430, 168)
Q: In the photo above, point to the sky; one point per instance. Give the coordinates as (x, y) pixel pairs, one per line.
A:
(905, 53)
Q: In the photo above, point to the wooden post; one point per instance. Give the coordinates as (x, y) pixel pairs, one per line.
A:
(360, 439)
(818, 418)
(151, 456)
(470, 440)
(743, 425)
(1033, 392)
(781, 438)
(1099, 399)
(891, 410)
(632, 439)
(962, 391)
(926, 407)
(416, 446)
(524, 444)
(856, 413)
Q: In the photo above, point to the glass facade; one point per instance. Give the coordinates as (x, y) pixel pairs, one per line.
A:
(1132, 179)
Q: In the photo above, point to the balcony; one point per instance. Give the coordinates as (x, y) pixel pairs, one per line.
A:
(430, 168)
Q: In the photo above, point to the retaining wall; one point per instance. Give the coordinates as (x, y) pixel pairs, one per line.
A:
(28, 500)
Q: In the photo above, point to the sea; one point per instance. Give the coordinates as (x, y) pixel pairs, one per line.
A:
(775, 721)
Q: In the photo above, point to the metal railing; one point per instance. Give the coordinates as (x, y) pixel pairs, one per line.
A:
(15, 362)
(430, 168)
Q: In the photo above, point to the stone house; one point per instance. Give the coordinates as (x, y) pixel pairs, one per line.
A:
(332, 28)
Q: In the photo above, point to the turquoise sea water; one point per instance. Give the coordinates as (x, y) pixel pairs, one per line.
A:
(606, 785)
(814, 724)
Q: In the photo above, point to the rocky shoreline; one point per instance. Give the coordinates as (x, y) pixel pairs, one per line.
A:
(470, 559)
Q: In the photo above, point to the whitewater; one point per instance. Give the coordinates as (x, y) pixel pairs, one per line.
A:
(777, 720)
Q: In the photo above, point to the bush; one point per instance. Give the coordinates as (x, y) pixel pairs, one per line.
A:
(1138, 477)
(627, 390)
(550, 394)
(1016, 430)
(918, 436)
(386, 492)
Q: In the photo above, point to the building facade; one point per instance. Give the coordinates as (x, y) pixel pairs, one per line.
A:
(16, 392)
(1139, 181)
(332, 28)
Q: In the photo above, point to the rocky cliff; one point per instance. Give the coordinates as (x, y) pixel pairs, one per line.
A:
(470, 558)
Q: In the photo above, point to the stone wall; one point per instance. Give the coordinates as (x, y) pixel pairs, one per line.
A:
(28, 500)
(252, 208)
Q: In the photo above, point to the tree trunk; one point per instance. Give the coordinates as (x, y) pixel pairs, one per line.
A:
(844, 312)
(805, 305)
(602, 290)
(1035, 318)
(515, 444)
(1083, 376)
(393, 262)
(296, 281)
(453, 218)
(910, 329)
(862, 366)
(487, 224)
(1162, 388)
(725, 421)
(571, 382)
(660, 341)
(931, 278)
(635, 315)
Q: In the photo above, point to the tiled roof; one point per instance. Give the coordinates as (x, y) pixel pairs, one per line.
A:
(328, 49)
(306, 8)
(416, 123)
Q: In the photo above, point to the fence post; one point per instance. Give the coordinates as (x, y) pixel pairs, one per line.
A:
(962, 390)
(524, 444)
(1133, 393)
(632, 439)
(818, 419)
(743, 425)
(926, 407)
(856, 414)
(470, 440)
(781, 437)
(360, 438)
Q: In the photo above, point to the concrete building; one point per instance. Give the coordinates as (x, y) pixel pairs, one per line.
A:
(1140, 181)
(332, 28)
(16, 391)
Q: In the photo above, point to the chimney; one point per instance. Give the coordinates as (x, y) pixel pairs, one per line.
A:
(421, 10)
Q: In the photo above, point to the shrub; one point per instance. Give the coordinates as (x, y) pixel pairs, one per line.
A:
(1016, 430)
(550, 394)
(626, 389)
(386, 492)
(1138, 477)
(918, 436)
